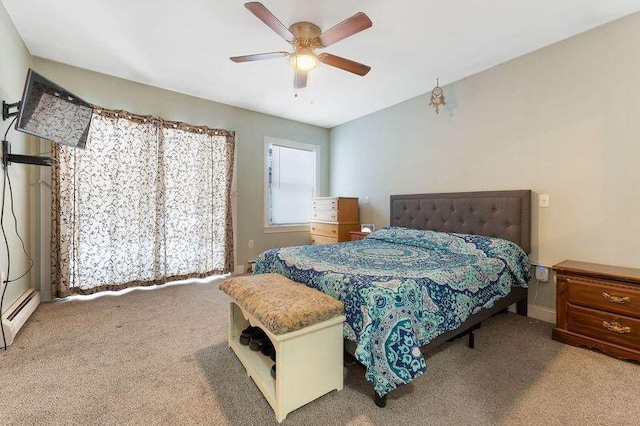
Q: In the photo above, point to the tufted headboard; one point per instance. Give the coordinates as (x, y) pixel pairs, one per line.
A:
(502, 214)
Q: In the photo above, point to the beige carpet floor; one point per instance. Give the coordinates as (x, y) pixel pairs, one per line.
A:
(160, 357)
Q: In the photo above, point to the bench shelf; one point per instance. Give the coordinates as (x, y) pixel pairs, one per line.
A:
(309, 361)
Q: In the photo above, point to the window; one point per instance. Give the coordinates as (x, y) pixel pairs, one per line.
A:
(290, 183)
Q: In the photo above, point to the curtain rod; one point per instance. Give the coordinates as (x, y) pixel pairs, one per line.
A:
(137, 118)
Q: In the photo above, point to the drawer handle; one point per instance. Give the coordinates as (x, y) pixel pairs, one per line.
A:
(616, 298)
(616, 327)
(313, 228)
(333, 231)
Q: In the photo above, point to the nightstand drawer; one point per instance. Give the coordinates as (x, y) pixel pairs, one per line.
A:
(324, 229)
(609, 297)
(615, 329)
(318, 239)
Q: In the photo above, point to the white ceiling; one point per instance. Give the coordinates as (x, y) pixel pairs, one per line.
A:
(185, 45)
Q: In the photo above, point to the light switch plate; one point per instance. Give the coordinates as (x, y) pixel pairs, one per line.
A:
(543, 200)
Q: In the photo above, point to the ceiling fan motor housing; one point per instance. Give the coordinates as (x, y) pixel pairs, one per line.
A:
(306, 35)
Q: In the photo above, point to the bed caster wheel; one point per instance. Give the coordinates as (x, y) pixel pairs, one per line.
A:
(381, 401)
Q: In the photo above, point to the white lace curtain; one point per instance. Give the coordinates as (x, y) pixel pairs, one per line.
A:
(146, 202)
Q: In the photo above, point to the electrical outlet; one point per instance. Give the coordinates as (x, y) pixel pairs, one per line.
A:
(250, 243)
(542, 273)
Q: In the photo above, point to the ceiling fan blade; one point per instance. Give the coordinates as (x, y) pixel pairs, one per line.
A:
(300, 79)
(344, 29)
(259, 56)
(263, 14)
(344, 64)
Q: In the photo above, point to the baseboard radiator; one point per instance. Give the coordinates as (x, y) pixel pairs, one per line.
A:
(18, 313)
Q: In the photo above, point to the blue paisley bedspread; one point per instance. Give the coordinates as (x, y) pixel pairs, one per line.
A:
(403, 287)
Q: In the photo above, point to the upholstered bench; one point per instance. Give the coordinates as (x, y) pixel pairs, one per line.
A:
(305, 328)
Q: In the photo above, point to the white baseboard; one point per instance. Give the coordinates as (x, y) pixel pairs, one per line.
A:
(541, 313)
(538, 312)
(18, 313)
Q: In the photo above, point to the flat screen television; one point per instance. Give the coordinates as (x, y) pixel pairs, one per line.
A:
(52, 112)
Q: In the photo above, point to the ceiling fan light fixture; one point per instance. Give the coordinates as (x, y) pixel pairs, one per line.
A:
(304, 60)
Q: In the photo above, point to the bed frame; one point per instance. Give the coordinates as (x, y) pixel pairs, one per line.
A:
(501, 214)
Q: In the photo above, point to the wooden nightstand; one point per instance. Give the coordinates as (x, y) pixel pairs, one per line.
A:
(357, 235)
(598, 306)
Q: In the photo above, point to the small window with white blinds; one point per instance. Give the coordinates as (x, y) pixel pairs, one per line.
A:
(290, 183)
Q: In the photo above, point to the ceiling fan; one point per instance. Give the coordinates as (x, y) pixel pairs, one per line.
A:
(305, 38)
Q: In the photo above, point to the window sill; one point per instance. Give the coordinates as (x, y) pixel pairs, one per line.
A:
(286, 228)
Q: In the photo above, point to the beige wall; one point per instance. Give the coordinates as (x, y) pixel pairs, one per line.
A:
(250, 128)
(564, 120)
(13, 70)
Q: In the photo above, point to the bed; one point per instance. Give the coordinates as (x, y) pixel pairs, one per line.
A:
(445, 263)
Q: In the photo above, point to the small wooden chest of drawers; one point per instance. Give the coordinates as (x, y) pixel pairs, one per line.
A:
(598, 306)
(332, 218)
(357, 235)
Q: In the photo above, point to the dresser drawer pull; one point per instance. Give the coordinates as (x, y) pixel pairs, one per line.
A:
(616, 327)
(616, 298)
(333, 231)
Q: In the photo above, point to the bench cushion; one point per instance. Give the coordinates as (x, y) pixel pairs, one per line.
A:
(280, 304)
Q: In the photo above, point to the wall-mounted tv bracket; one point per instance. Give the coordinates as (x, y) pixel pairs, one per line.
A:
(6, 109)
(7, 157)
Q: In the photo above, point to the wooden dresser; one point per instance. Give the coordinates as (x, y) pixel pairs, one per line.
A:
(332, 218)
(598, 306)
